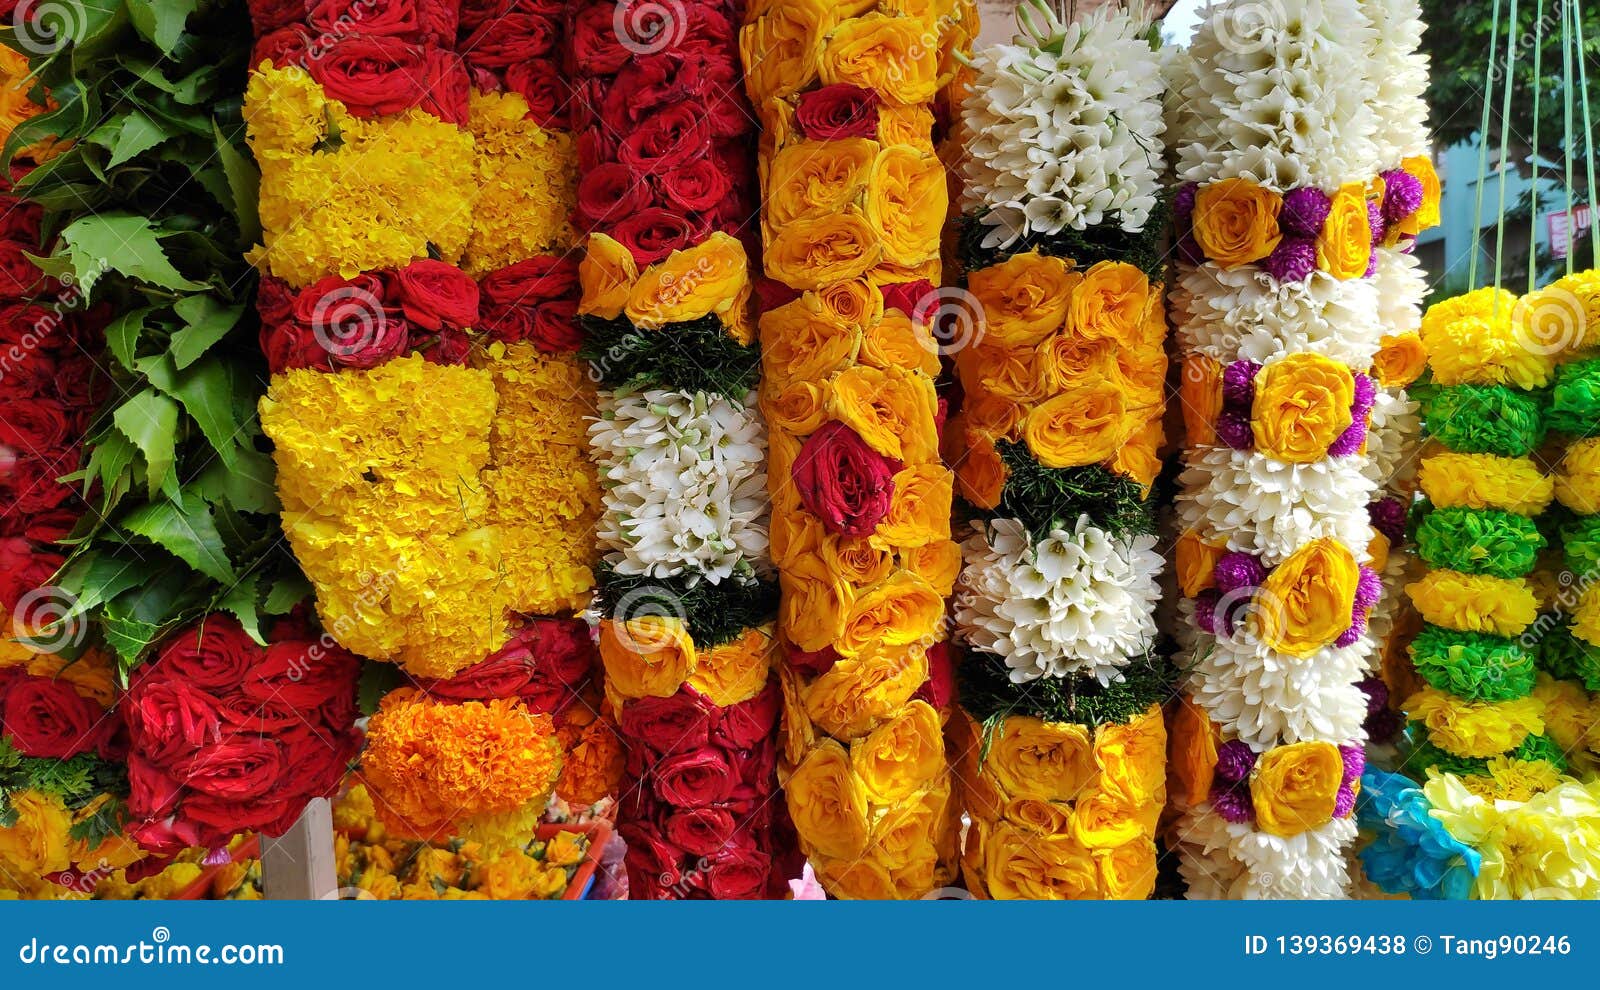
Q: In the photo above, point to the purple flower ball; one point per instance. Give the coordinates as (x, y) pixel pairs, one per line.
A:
(1350, 440)
(1402, 194)
(1239, 385)
(1377, 693)
(1293, 260)
(1372, 264)
(1304, 212)
(1233, 805)
(1183, 204)
(1233, 429)
(1358, 628)
(1376, 222)
(1205, 611)
(1369, 588)
(1235, 760)
(1237, 569)
(1355, 761)
(1389, 518)
(1345, 802)
(1366, 395)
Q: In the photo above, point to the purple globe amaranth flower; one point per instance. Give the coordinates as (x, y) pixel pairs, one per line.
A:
(1304, 212)
(1235, 760)
(1372, 264)
(1205, 611)
(1239, 386)
(1355, 761)
(1237, 569)
(1345, 802)
(1233, 429)
(1233, 805)
(1293, 260)
(1377, 693)
(1183, 203)
(1402, 194)
(1384, 725)
(1369, 588)
(1358, 628)
(1388, 517)
(1366, 395)
(1375, 222)
(1190, 252)
(1350, 441)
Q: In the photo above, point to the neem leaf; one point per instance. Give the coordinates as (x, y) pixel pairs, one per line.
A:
(250, 485)
(161, 21)
(120, 242)
(150, 420)
(206, 391)
(287, 592)
(122, 336)
(137, 133)
(377, 680)
(97, 577)
(241, 600)
(187, 530)
(128, 637)
(206, 321)
(244, 183)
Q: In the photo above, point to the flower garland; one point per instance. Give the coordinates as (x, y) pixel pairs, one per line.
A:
(1280, 320)
(687, 601)
(855, 201)
(1056, 446)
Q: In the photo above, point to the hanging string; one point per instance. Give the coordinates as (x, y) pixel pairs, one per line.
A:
(1538, 90)
(1569, 136)
(1588, 130)
(1505, 146)
(1483, 149)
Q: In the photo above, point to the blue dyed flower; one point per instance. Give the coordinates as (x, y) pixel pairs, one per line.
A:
(1411, 851)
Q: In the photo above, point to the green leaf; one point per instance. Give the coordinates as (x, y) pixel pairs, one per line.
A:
(122, 336)
(110, 456)
(206, 391)
(377, 680)
(129, 136)
(286, 592)
(241, 600)
(97, 577)
(161, 20)
(120, 242)
(244, 181)
(128, 637)
(250, 485)
(205, 321)
(150, 420)
(187, 531)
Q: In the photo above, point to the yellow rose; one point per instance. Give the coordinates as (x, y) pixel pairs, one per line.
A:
(980, 471)
(858, 693)
(1084, 425)
(1141, 372)
(814, 603)
(1029, 757)
(1011, 373)
(854, 302)
(1103, 820)
(920, 512)
(1378, 552)
(782, 449)
(690, 283)
(1305, 603)
(855, 560)
(1025, 298)
(912, 125)
(1128, 872)
(797, 734)
(897, 341)
(1422, 168)
(1294, 787)
(781, 50)
(895, 612)
(799, 407)
(1344, 248)
(856, 879)
(647, 656)
(797, 345)
(893, 410)
(993, 415)
(1064, 360)
(896, 56)
(1139, 459)
(1040, 817)
(811, 253)
(37, 841)
(815, 178)
(1019, 865)
(1111, 303)
(1192, 763)
(828, 803)
(938, 563)
(1200, 393)
(1195, 561)
(606, 275)
(1302, 406)
(1401, 360)
(1236, 222)
(907, 201)
(736, 671)
(900, 756)
(1133, 758)
(902, 841)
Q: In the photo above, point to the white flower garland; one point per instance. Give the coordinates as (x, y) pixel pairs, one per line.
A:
(1244, 315)
(1400, 74)
(685, 483)
(1227, 861)
(1065, 141)
(1079, 601)
(1267, 698)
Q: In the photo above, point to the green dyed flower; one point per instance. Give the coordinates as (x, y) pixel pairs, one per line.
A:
(1575, 399)
(1471, 665)
(1479, 541)
(1482, 419)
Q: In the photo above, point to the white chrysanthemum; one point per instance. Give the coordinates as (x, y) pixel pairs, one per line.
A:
(1205, 856)
(1400, 76)
(1402, 287)
(684, 483)
(1078, 602)
(1285, 93)
(1271, 508)
(1065, 141)
(1246, 314)
(1391, 457)
(1222, 860)
(1268, 698)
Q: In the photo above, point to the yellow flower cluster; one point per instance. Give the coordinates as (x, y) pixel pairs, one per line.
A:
(1062, 811)
(526, 185)
(40, 842)
(1577, 481)
(1485, 481)
(481, 771)
(1475, 728)
(341, 195)
(372, 859)
(17, 106)
(1070, 361)
(710, 277)
(1545, 847)
(1475, 602)
(1485, 338)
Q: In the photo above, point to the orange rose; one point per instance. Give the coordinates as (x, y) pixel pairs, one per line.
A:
(1195, 560)
(855, 560)
(795, 534)
(816, 251)
(781, 50)
(1236, 222)
(1111, 303)
(1302, 406)
(896, 56)
(938, 563)
(797, 345)
(1192, 753)
(980, 472)
(815, 178)
(892, 409)
(1008, 372)
(690, 283)
(920, 512)
(993, 415)
(1401, 360)
(900, 756)
(1019, 865)
(1103, 820)
(896, 341)
(1128, 872)
(911, 125)
(1295, 788)
(896, 612)
(1421, 166)
(907, 201)
(828, 803)
(1133, 758)
(1025, 298)
(1200, 392)
(1344, 248)
(855, 302)
(1029, 757)
(1141, 372)
(1040, 817)
(1084, 425)
(1139, 458)
(606, 275)
(1065, 359)
(736, 671)
(858, 694)
(798, 408)
(647, 656)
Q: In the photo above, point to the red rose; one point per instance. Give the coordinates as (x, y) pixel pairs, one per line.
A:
(652, 234)
(647, 85)
(410, 20)
(236, 768)
(597, 46)
(830, 113)
(350, 322)
(511, 38)
(844, 483)
(918, 300)
(746, 724)
(500, 676)
(447, 347)
(433, 294)
(301, 674)
(447, 88)
(372, 75)
(668, 139)
(940, 688)
(694, 779)
(269, 15)
(738, 871)
(695, 186)
(654, 864)
(219, 819)
(554, 328)
(168, 719)
(291, 345)
(214, 656)
(22, 569)
(258, 716)
(815, 664)
(275, 300)
(667, 726)
(533, 281)
(35, 487)
(541, 83)
(609, 192)
(284, 47)
(152, 791)
(316, 758)
(507, 324)
(699, 831)
(46, 718)
(771, 293)
(35, 427)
